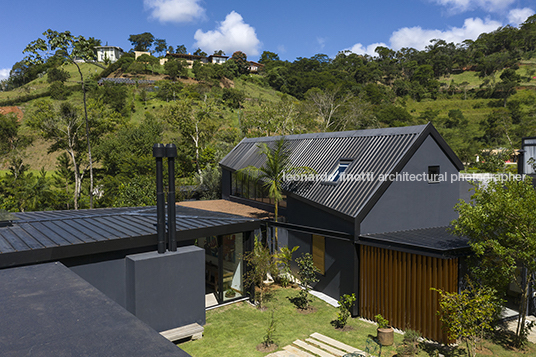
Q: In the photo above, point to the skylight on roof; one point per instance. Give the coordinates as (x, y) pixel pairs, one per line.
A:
(339, 170)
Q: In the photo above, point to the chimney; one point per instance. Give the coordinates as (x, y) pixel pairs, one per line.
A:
(171, 153)
(159, 151)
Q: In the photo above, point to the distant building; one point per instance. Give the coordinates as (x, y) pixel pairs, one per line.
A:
(217, 59)
(255, 67)
(111, 53)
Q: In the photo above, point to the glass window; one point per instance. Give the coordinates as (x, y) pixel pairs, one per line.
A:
(233, 250)
(339, 170)
(433, 174)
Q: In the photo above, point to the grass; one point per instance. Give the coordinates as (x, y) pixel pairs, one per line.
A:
(236, 330)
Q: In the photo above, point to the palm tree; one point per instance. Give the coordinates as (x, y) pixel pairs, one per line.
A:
(272, 173)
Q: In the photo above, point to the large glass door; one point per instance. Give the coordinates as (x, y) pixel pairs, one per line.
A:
(224, 266)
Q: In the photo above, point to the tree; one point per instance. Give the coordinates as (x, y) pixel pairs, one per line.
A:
(142, 42)
(195, 122)
(64, 127)
(260, 263)
(68, 48)
(57, 74)
(327, 105)
(200, 52)
(241, 61)
(500, 224)
(175, 68)
(307, 274)
(181, 49)
(13, 143)
(468, 315)
(271, 175)
(160, 46)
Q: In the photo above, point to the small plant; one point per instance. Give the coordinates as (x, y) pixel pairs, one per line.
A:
(345, 304)
(307, 274)
(230, 293)
(410, 344)
(382, 322)
(260, 263)
(284, 257)
(270, 331)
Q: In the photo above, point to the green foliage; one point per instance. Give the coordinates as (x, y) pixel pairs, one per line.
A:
(283, 259)
(55, 74)
(382, 322)
(141, 42)
(175, 68)
(346, 302)
(307, 274)
(233, 97)
(467, 315)
(410, 344)
(268, 339)
(209, 182)
(499, 222)
(260, 263)
(58, 91)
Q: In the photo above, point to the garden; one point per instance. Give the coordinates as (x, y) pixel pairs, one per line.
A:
(285, 312)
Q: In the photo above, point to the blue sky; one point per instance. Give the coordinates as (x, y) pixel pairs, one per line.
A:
(289, 28)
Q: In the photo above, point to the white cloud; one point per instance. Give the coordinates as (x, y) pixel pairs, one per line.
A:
(458, 6)
(418, 38)
(175, 10)
(321, 42)
(359, 49)
(517, 16)
(233, 34)
(4, 73)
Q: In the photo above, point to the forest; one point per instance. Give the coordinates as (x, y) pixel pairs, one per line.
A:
(87, 130)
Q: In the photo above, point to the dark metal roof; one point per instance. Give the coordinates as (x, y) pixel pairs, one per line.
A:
(44, 236)
(48, 310)
(434, 241)
(376, 151)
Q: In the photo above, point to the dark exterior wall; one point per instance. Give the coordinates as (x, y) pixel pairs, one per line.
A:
(167, 290)
(411, 205)
(339, 254)
(108, 276)
(339, 264)
(225, 183)
(303, 214)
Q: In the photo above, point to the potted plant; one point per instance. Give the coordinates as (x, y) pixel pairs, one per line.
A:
(386, 334)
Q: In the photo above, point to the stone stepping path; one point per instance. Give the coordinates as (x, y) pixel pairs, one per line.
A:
(317, 345)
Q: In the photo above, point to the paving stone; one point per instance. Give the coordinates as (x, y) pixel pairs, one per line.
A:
(313, 349)
(334, 351)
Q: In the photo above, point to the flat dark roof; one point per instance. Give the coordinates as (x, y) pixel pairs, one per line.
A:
(37, 237)
(47, 310)
(437, 241)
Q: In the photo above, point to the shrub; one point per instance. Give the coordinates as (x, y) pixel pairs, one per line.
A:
(345, 305)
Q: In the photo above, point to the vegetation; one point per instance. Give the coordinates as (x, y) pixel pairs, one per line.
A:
(499, 223)
(307, 275)
(468, 315)
(346, 302)
(260, 263)
(475, 93)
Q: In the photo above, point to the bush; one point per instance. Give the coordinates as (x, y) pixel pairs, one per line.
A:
(410, 344)
(345, 305)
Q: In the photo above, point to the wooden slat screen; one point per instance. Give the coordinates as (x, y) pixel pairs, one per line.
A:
(397, 285)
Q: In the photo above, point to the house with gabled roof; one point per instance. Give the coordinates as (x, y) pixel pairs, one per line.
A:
(375, 216)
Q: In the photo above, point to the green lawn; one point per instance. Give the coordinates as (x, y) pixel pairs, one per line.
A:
(237, 329)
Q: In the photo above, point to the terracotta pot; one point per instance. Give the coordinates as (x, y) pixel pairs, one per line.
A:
(386, 336)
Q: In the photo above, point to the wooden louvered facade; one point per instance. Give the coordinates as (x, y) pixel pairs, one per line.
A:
(398, 285)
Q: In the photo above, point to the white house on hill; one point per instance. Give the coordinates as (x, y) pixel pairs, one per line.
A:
(111, 53)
